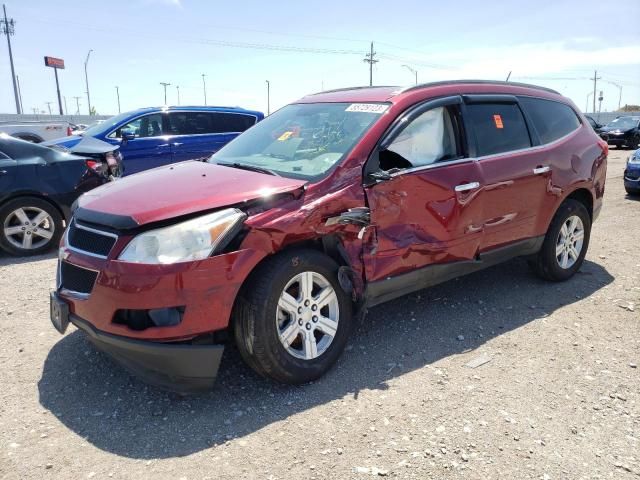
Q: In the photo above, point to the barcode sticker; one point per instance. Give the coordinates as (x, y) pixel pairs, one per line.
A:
(498, 121)
(367, 108)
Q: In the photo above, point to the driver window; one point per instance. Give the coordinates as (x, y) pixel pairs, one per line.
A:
(428, 139)
(144, 127)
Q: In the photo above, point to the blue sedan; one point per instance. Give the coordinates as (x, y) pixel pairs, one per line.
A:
(632, 174)
(156, 136)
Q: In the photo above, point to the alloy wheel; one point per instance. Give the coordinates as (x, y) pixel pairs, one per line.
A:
(570, 242)
(307, 315)
(29, 228)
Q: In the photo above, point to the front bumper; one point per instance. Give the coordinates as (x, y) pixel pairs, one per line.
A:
(632, 178)
(616, 139)
(176, 367)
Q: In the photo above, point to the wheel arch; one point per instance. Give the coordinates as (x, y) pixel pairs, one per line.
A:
(28, 136)
(584, 196)
(39, 197)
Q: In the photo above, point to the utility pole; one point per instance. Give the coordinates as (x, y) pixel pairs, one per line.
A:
(19, 92)
(118, 95)
(204, 86)
(508, 76)
(49, 107)
(619, 91)
(369, 58)
(86, 80)
(165, 85)
(8, 28)
(77, 105)
(178, 91)
(595, 83)
(268, 97)
(412, 70)
(34, 110)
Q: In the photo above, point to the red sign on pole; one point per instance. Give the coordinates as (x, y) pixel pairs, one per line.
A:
(54, 62)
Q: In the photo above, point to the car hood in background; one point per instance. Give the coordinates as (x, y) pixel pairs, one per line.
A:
(90, 146)
(175, 190)
(615, 129)
(66, 142)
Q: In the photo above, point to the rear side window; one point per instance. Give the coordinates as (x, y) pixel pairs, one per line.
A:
(199, 123)
(231, 122)
(499, 127)
(552, 120)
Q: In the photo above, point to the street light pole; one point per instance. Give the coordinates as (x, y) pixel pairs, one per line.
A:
(8, 30)
(586, 108)
(268, 97)
(412, 70)
(86, 80)
(49, 107)
(204, 86)
(118, 95)
(178, 90)
(77, 105)
(165, 85)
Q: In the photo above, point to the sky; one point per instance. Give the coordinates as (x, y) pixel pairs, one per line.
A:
(306, 47)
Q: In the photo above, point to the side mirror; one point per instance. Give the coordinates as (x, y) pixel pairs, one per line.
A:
(127, 134)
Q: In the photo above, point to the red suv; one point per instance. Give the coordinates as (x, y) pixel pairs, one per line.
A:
(340, 201)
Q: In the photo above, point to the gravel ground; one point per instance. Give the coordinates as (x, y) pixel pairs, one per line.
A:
(559, 397)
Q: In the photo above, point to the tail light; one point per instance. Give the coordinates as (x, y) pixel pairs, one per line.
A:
(95, 165)
(69, 131)
(604, 146)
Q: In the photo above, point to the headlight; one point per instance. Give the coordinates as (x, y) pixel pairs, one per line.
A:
(634, 159)
(191, 240)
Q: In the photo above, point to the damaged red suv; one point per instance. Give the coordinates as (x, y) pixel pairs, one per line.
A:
(340, 201)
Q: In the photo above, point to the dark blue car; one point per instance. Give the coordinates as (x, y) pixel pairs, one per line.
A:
(632, 174)
(151, 137)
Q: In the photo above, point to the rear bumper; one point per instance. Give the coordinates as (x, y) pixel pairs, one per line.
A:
(181, 368)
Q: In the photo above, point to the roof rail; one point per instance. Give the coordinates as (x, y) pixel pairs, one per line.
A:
(483, 82)
(346, 89)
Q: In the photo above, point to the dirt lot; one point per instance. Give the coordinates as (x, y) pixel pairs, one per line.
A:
(559, 398)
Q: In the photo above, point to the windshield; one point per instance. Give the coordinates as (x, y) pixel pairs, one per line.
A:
(105, 125)
(624, 122)
(302, 140)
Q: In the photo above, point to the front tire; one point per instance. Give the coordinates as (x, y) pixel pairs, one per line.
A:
(29, 226)
(565, 244)
(292, 319)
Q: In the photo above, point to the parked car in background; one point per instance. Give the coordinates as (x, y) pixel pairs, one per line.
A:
(81, 127)
(38, 184)
(623, 131)
(632, 174)
(341, 201)
(597, 127)
(36, 132)
(152, 137)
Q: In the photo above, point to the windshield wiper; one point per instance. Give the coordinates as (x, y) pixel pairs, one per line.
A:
(252, 168)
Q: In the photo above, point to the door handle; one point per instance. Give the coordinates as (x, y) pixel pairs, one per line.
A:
(163, 145)
(541, 170)
(467, 186)
(3, 172)
(177, 144)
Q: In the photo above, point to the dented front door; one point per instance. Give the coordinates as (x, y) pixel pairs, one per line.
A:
(424, 216)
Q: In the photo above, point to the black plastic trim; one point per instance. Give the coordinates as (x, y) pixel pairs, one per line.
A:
(393, 287)
(177, 367)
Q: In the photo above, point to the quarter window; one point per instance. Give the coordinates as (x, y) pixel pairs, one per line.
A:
(552, 120)
(428, 139)
(498, 127)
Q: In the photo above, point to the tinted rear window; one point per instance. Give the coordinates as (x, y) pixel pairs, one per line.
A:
(552, 120)
(498, 127)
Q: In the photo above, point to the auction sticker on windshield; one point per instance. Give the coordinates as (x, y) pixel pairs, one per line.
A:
(367, 107)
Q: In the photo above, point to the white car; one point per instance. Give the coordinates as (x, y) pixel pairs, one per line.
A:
(36, 132)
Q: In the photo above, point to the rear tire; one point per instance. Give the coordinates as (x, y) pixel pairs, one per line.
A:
(29, 226)
(632, 192)
(565, 244)
(285, 330)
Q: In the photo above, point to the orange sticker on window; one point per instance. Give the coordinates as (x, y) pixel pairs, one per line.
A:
(498, 121)
(285, 136)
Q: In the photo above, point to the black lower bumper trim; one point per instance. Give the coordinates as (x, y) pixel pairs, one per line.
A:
(176, 367)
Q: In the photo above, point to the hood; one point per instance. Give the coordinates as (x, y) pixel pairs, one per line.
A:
(175, 190)
(615, 129)
(91, 146)
(67, 142)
